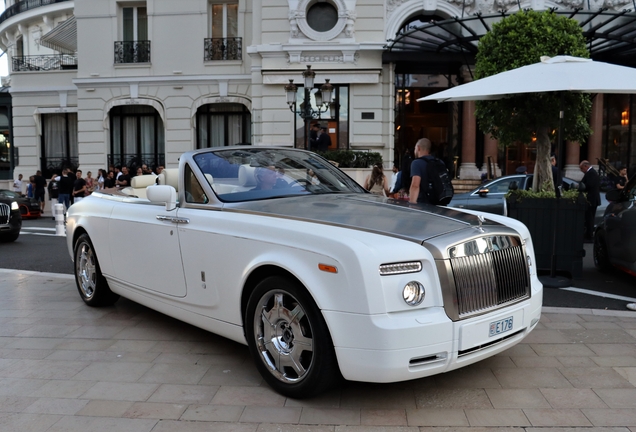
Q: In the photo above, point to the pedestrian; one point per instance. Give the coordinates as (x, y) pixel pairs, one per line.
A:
(31, 187)
(324, 140)
(65, 182)
(592, 182)
(54, 190)
(619, 181)
(90, 183)
(17, 184)
(418, 193)
(100, 180)
(79, 187)
(376, 182)
(556, 173)
(313, 136)
(123, 180)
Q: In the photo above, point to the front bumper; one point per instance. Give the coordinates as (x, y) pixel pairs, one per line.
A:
(416, 344)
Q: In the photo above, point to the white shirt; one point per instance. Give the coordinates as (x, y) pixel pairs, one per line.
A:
(17, 186)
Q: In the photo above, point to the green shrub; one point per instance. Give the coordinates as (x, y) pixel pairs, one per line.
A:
(353, 159)
(520, 195)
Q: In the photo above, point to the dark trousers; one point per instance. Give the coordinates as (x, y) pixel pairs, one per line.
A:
(590, 214)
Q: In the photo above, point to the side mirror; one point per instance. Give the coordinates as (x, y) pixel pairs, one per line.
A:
(162, 194)
(483, 192)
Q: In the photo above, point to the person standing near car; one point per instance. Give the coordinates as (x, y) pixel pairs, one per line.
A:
(418, 193)
(65, 182)
(592, 183)
(17, 184)
(54, 190)
(39, 183)
(79, 187)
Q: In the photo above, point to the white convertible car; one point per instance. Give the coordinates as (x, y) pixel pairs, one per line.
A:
(278, 249)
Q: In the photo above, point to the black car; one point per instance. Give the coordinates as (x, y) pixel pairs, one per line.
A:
(615, 237)
(10, 220)
(29, 207)
(489, 197)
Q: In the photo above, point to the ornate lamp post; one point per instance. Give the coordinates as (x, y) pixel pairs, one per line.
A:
(305, 110)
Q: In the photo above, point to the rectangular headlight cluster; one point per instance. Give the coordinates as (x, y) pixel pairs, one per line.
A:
(400, 268)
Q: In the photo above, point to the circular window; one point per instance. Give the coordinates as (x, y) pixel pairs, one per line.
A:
(322, 17)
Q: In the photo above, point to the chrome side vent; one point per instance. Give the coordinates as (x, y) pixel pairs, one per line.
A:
(489, 273)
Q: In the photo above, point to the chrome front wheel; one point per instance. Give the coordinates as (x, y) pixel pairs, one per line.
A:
(289, 339)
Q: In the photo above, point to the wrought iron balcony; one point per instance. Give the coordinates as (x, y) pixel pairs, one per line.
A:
(223, 49)
(44, 62)
(24, 6)
(132, 52)
(134, 160)
(55, 165)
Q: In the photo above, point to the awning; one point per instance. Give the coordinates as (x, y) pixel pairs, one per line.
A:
(62, 38)
(610, 36)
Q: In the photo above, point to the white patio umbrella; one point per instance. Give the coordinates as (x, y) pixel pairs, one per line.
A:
(551, 74)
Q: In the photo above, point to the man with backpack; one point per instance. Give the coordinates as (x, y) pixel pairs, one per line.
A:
(430, 180)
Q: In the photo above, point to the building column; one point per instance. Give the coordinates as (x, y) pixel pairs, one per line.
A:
(594, 146)
(490, 149)
(572, 160)
(468, 169)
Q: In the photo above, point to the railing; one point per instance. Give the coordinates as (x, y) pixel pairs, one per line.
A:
(24, 6)
(132, 52)
(55, 165)
(223, 49)
(44, 63)
(134, 160)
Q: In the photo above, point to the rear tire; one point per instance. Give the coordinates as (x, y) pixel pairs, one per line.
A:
(289, 340)
(91, 284)
(601, 258)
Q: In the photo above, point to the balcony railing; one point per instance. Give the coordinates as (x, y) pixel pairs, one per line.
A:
(44, 63)
(24, 6)
(55, 165)
(134, 160)
(132, 52)
(223, 49)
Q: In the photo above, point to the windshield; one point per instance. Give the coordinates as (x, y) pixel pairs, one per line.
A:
(257, 173)
(9, 194)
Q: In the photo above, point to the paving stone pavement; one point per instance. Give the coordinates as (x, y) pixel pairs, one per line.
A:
(66, 367)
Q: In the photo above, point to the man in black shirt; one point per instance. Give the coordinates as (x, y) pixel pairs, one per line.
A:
(40, 184)
(79, 187)
(65, 188)
(124, 178)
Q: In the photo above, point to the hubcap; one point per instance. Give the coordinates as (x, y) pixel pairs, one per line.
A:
(86, 272)
(283, 336)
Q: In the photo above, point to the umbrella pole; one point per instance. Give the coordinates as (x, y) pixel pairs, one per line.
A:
(554, 281)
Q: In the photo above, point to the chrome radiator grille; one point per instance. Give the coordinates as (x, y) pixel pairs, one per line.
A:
(489, 277)
(5, 211)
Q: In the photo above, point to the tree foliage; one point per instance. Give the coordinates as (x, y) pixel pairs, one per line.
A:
(518, 40)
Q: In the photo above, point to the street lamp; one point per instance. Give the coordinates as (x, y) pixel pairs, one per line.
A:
(306, 111)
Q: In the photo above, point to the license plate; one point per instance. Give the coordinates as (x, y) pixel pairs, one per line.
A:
(501, 326)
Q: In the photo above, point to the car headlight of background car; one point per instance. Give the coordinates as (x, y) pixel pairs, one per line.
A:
(14, 205)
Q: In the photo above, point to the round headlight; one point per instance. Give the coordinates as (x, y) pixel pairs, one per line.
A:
(413, 293)
(15, 206)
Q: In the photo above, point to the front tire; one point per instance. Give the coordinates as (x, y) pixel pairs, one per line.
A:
(91, 284)
(601, 257)
(289, 340)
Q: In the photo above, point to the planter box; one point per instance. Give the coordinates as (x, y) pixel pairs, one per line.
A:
(538, 215)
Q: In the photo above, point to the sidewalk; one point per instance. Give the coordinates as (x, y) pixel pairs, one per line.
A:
(66, 367)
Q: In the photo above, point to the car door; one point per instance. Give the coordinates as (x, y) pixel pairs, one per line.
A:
(147, 252)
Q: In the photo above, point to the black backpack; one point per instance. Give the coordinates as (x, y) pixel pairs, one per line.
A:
(440, 190)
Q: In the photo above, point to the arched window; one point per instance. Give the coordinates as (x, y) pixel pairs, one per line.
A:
(223, 124)
(136, 136)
